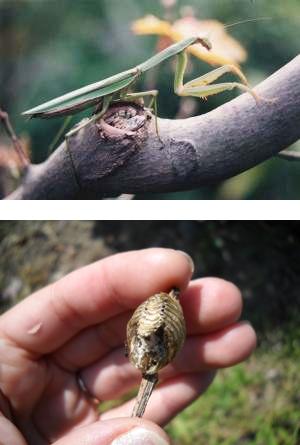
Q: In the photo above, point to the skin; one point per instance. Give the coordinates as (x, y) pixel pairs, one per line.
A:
(79, 322)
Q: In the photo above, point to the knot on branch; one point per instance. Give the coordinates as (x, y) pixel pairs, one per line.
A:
(124, 121)
(102, 148)
(187, 163)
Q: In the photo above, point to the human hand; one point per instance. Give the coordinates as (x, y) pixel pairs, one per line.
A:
(77, 326)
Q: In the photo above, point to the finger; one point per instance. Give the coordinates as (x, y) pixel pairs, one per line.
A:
(90, 295)
(93, 343)
(209, 304)
(113, 375)
(9, 434)
(169, 398)
(124, 431)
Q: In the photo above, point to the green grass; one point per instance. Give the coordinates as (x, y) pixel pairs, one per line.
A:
(255, 403)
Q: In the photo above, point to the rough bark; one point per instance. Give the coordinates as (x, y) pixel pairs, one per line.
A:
(111, 158)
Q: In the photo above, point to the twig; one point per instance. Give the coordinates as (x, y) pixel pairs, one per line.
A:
(4, 117)
(146, 388)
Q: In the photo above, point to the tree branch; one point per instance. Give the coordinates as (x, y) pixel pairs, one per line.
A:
(124, 155)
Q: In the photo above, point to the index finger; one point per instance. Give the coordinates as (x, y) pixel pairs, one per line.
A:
(50, 317)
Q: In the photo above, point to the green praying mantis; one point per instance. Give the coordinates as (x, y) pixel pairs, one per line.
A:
(118, 88)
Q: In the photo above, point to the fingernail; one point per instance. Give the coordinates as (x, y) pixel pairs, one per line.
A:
(189, 258)
(138, 436)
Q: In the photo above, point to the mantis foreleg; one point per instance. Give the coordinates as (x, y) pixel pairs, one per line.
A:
(201, 86)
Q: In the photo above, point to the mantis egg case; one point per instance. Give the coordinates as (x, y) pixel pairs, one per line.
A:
(155, 332)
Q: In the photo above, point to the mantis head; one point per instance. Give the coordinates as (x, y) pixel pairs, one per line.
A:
(204, 41)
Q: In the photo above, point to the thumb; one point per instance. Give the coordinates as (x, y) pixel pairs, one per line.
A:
(122, 431)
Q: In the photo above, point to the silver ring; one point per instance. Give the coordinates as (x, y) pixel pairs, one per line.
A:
(85, 390)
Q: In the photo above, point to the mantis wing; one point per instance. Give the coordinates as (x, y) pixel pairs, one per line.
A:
(82, 98)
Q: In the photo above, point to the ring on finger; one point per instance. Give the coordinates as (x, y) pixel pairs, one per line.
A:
(85, 390)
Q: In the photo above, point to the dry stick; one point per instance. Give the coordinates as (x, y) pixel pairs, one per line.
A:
(4, 117)
(146, 387)
(196, 152)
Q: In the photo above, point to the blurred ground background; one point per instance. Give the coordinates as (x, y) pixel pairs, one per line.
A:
(48, 47)
(255, 403)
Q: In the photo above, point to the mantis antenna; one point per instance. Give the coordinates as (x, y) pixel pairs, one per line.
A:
(241, 22)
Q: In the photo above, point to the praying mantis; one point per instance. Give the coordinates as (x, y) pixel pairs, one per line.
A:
(118, 88)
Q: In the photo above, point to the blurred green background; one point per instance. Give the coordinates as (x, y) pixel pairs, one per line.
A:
(254, 403)
(48, 47)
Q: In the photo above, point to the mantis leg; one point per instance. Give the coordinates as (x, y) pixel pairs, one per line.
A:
(153, 94)
(59, 134)
(201, 87)
(106, 103)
